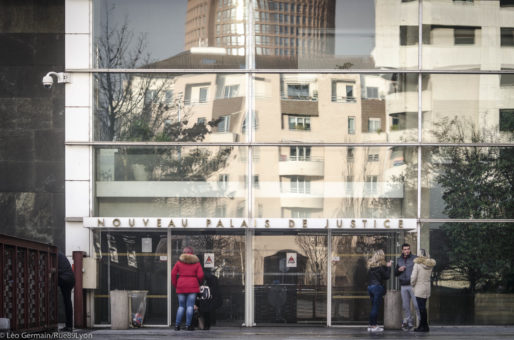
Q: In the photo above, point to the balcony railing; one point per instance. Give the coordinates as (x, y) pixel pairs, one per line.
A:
(341, 99)
(313, 98)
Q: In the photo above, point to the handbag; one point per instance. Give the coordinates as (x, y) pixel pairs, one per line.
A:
(205, 292)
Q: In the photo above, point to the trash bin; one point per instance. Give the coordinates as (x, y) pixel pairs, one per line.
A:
(137, 307)
(393, 309)
(119, 309)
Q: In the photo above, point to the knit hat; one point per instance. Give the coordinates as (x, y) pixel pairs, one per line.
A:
(188, 250)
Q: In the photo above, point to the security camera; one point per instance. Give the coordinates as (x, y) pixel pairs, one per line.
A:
(48, 80)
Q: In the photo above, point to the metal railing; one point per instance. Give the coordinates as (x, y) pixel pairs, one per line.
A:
(28, 285)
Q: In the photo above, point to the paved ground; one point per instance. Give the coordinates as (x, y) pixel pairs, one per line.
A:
(294, 333)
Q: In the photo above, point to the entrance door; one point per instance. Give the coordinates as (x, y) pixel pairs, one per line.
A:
(132, 260)
(223, 254)
(350, 252)
(290, 277)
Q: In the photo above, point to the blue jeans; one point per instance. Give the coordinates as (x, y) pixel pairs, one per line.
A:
(376, 292)
(186, 303)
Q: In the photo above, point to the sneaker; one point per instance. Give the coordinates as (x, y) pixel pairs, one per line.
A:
(376, 329)
(405, 327)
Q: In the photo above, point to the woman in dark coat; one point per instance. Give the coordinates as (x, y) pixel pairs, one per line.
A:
(378, 273)
(185, 276)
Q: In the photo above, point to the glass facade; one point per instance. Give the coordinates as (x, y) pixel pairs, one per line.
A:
(299, 111)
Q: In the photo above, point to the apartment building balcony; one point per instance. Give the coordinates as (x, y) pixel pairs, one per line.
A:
(300, 105)
(301, 166)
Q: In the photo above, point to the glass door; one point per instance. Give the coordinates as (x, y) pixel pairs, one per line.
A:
(132, 260)
(290, 277)
(350, 253)
(223, 254)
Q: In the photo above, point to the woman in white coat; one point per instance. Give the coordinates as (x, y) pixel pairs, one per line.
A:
(420, 281)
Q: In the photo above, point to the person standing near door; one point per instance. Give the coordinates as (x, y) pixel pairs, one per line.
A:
(186, 275)
(378, 273)
(404, 266)
(420, 281)
(66, 280)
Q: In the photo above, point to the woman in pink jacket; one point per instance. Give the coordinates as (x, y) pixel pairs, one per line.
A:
(185, 276)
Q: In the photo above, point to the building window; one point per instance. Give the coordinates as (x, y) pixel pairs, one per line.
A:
(196, 94)
(408, 35)
(342, 91)
(372, 184)
(373, 157)
(507, 36)
(464, 36)
(201, 121)
(299, 123)
(300, 185)
(374, 125)
(298, 91)
(372, 92)
(230, 91)
(506, 80)
(255, 123)
(506, 3)
(349, 92)
(224, 124)
(351, 125)
(223, 181)
(507, 120)
(350, 154)
(300, 153)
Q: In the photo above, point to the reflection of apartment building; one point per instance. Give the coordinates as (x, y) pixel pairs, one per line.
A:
(470, 35)
(283, 28)
(296, 180)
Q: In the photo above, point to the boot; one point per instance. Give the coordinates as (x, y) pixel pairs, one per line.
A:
(177, 327)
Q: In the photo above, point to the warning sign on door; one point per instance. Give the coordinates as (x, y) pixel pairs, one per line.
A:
(208, 260)
(291, 260)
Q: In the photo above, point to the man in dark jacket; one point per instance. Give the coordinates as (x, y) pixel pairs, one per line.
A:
(404, 265)
(66, 280)
(207, 307)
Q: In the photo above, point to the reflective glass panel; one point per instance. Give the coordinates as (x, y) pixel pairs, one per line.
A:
(335, 34)
(472, 278)
(132, 261)
(468, 182)
(290, 277)
(348, 108)
(169, 34)
(464, 35)
(340, 182)
(468, 108)
(171, 181)
(222, 256)
(167, 108)
(349, 258)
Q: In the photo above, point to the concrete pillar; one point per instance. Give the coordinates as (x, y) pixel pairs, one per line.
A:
(393, 309)
(119, 309)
